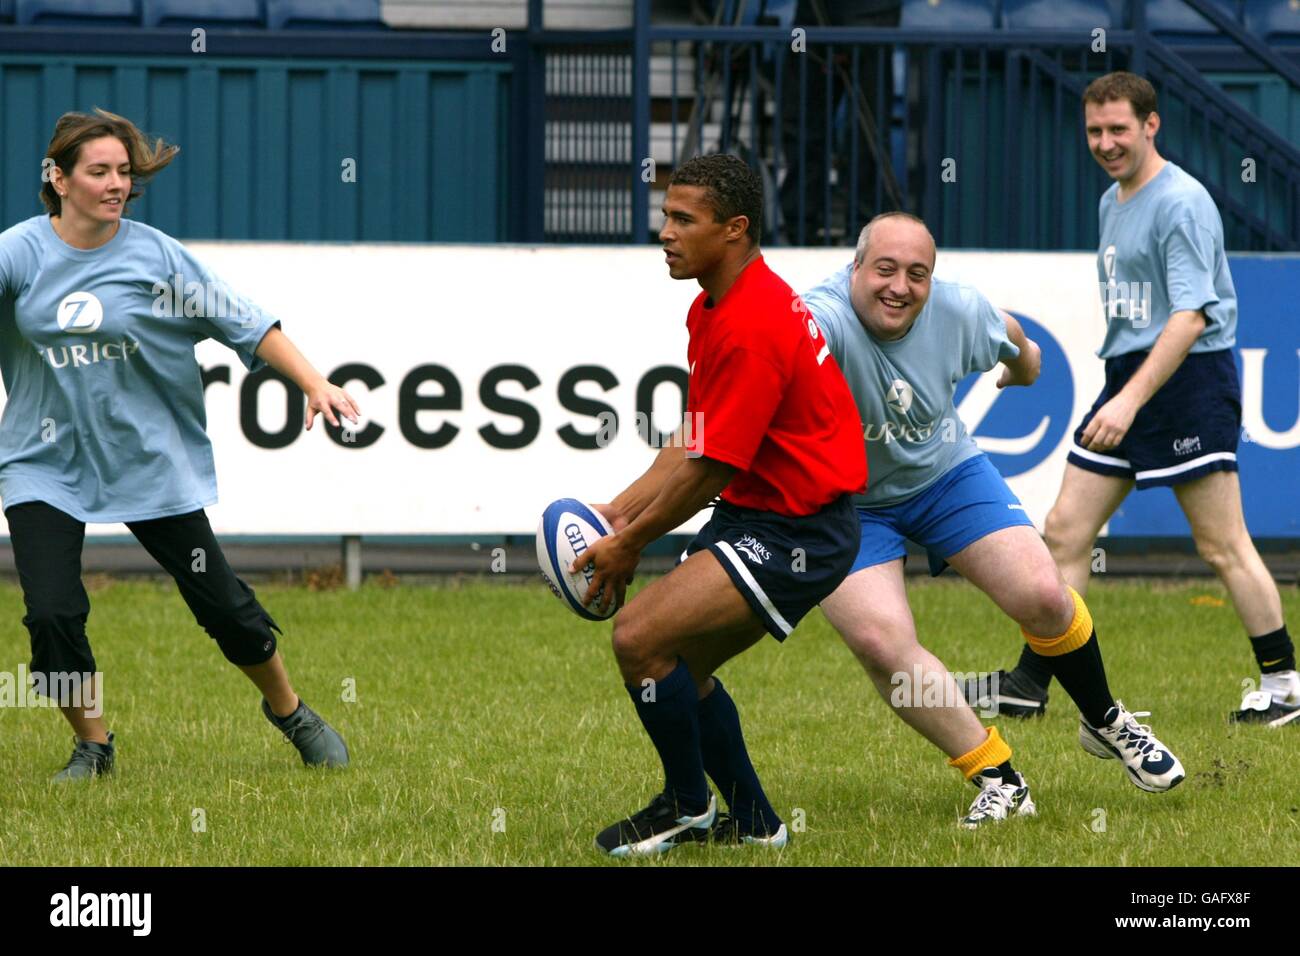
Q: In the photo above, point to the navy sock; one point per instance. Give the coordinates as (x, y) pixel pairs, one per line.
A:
(1035, 666)
(727, 762)
(1274, 651)
(1083, 677)
(671, 717)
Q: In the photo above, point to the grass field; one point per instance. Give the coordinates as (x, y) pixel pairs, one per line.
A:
(490, 727)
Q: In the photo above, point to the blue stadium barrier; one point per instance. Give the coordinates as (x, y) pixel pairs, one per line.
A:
(949, 14)
(189, 13)
(79, 12)
(1273, 19)
(324, 14)
(1055, 14)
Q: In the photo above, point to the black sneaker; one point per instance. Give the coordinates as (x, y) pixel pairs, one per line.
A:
(1006, 694)
(1261, 707)
(728, 831)
(656, 829)
(88, 760)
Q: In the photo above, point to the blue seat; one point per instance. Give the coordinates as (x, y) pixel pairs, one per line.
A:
(200, 13)
(949, 14)
(324, 14)
(78, 12)
(6, 11)
(1273, 19)
(1176, 17)
(1055, 14)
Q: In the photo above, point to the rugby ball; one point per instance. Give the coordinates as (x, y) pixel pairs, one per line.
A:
(567, 529)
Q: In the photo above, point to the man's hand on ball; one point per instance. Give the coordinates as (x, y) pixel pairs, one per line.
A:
(611, 514)
(613, 563)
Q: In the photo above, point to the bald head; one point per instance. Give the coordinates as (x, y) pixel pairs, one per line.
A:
(897, 231)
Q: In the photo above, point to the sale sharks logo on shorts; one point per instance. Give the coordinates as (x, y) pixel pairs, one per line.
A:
(1018, 428)
(80, 313)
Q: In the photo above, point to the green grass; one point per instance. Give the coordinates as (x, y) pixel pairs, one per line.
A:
(478, 698)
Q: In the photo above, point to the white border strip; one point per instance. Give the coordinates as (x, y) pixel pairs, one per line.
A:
(739, 564)
(1102, 459)
(1188, 465)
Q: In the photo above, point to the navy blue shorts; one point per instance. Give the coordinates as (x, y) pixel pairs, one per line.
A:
(968, 502)
(784, 567)
(1189, 428)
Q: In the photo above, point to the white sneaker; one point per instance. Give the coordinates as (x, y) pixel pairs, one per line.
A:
(998, 799)
(1284, 686)
(1150, 764)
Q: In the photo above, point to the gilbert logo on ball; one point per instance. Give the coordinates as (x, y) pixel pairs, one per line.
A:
(568, 528)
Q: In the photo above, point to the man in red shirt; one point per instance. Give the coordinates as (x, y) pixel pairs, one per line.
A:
(772, 429)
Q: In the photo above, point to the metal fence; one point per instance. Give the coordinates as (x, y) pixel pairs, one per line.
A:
(979, 132)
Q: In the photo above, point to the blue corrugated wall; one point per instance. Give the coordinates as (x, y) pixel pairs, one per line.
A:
(264, 143)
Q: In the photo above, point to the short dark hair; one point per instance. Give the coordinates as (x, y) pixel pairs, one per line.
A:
(731, 188)
(1122, 85)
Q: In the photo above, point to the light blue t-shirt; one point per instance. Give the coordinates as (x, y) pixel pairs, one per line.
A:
(104, 417)
(904, 388)
(1162, 252)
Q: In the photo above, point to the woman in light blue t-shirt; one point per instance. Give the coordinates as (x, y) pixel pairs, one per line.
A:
(104, 421)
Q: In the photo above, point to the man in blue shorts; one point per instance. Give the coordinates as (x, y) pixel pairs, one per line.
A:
(904, 340)
(1170, 412)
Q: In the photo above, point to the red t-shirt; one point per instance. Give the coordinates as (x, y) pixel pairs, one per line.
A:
(767, 397)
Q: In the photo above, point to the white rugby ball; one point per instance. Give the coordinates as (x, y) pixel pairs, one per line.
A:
(568, 528)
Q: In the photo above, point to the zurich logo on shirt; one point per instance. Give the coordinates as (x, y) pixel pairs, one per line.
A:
(899, 396)
(1018, 428)
(80, 313)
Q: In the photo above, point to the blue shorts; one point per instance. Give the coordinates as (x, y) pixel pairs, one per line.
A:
(1189, 428)
(968, 502)
(783, 567)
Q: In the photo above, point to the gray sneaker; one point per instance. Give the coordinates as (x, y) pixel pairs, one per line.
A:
(318, 742)
(88, 760)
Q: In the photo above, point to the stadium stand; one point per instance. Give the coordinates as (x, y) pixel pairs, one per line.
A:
(94, 13)
(1278, 21)
(510, 14)
(1172, 19)
(949, 14)
(186, 13)
(324, 14)
(1055, 14)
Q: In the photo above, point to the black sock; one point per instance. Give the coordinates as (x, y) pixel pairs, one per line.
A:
(1084, 678)
(669, 713)
(727, 761)
(1274, 651)
(1036, 667)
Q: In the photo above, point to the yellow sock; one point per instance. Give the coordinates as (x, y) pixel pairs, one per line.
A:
(1076, 635)
(992, 753)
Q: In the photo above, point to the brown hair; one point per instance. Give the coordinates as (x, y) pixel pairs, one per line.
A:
(1122, 85)
(74, 129)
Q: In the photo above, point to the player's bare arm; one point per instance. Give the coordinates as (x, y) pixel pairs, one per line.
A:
(1025, 367)
(628, 505)
(1113, 420)
(692, 485)
(322, 395)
